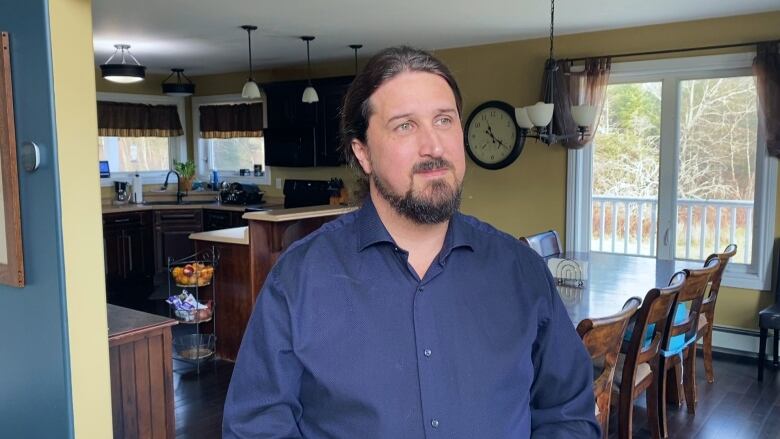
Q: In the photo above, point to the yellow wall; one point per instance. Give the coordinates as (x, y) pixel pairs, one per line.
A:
(530, 195)
(71, 46)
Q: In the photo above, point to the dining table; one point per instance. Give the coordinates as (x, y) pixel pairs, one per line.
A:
(608, 280)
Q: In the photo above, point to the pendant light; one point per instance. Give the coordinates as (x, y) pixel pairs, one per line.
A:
(251, 90)
(178, 88)
(121, 72)
(355, 47)
(310, 94)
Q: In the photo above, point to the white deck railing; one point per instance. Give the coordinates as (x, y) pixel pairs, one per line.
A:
(628, 225)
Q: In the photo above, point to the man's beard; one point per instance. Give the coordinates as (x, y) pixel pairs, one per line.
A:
(439, 207)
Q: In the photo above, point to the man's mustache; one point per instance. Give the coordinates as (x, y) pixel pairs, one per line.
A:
(430, 165)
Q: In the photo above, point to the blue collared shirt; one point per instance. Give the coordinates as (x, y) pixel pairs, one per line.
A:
(346, 341)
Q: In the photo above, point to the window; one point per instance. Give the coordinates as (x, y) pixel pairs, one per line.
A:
(136, 154)
(234, 154)
(677, 170)
(151, 157)
(228, 156)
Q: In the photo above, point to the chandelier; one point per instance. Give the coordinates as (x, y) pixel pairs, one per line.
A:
(536, 121)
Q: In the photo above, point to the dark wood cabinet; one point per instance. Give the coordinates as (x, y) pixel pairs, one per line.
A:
(172, 229)
(300, 134)
(129, 252)
(141, 366)
(214, 219)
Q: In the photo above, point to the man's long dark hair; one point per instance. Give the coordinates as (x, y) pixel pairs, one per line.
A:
(381, 68)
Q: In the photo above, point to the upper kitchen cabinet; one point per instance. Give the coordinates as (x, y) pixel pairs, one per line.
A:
(300, 134)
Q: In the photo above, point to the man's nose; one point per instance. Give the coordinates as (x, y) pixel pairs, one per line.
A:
(430, 142)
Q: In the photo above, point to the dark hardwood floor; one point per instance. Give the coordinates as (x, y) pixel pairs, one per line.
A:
(736, 406)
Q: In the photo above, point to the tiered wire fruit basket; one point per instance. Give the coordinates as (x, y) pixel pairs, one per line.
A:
(192, 281)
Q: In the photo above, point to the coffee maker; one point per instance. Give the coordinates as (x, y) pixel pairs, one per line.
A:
(120, 187)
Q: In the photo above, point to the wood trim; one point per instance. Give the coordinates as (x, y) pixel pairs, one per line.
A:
(12, 272)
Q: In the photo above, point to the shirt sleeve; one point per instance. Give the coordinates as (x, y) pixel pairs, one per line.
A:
(262, 400)
(562, 400)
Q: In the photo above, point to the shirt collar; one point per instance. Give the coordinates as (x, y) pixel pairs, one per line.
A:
(372, 231)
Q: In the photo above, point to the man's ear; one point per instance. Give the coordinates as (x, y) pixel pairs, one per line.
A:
(361, 153)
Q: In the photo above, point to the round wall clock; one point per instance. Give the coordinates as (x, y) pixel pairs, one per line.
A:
(493, 139)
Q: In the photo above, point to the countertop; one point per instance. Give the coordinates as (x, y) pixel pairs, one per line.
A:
(235, 235)
(123, 321)
(298, 213)
(108, 208)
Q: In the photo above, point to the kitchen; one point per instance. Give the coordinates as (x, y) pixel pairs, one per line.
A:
(490, 71)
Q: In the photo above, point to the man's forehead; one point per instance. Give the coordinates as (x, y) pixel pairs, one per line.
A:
(412, 91)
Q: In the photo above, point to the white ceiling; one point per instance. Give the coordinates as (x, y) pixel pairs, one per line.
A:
(203, 36)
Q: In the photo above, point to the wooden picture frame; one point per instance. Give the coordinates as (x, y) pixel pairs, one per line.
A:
(11, 258)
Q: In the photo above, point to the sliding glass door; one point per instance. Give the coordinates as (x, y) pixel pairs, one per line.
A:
(678, 168)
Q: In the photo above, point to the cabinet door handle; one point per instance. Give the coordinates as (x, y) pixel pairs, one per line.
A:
(121, 220)
(130, 251)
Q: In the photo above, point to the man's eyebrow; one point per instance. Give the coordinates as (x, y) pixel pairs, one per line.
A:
(408, 115)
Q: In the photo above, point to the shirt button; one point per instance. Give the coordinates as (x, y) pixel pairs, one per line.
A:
(427, 352)
(420, 289)
(435, 423)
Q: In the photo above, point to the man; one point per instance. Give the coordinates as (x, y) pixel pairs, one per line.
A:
(407, 319)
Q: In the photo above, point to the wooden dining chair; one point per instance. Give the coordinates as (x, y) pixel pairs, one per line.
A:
(707, 316)
(679, 345)
(640, 365)
(603, 337)
(546, 243)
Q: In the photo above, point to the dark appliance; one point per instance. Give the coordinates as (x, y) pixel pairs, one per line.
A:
(301, 193)
(237, 193)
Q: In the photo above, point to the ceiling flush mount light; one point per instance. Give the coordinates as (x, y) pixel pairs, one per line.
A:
(122, 72)
(251, 90)
(355, 47)
(178, 88)
(536, 120)
(310, 94)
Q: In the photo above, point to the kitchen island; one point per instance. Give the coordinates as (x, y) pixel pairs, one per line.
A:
(246, 256)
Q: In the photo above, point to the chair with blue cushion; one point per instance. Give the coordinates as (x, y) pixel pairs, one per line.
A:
(640, 365)
(679, 346)
(546, 243)
(602, 338)
(769, 318)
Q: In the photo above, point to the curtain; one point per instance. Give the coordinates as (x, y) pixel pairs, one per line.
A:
(766, 67)
(227, 121)
(588, 87)
(576, 88)
(122, 119)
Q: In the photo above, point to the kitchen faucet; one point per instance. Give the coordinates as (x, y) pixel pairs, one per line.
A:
(179, 194)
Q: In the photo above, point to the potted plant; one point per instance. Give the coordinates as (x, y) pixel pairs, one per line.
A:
(186, 171)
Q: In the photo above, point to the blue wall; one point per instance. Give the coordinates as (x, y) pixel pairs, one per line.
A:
(35, 397)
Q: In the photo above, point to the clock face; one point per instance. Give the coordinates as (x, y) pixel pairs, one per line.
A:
(493, 140)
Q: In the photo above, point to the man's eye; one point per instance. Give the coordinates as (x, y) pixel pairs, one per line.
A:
(406, 126)
(445, 121)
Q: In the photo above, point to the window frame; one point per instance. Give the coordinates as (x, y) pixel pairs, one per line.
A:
(670, 72)
(177, 147)
(202, 162)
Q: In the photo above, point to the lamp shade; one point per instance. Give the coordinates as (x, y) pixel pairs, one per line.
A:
(123, 73)
(178, 89)
(584, 115)
(251, 90)
(540, 113)
(310, 95)
(521, 117)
